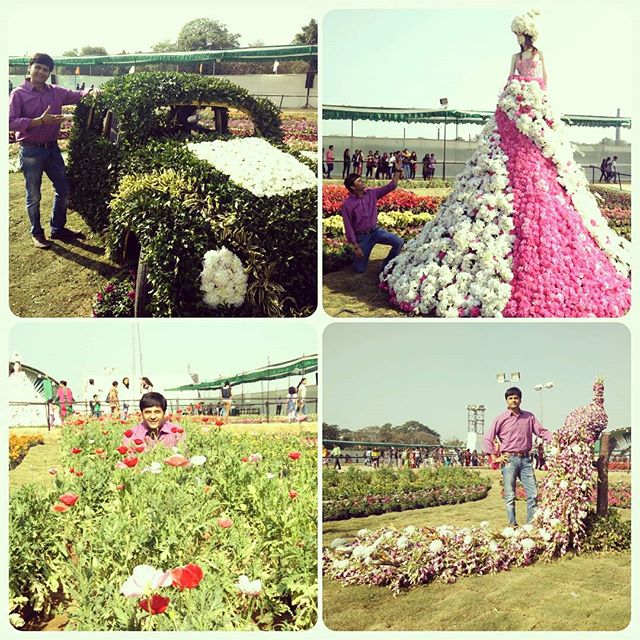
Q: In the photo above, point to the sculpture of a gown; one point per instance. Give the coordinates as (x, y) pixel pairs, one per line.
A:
(520, 235)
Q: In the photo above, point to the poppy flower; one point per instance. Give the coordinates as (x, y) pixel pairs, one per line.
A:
(155, 604)
(294, 455)
(120, 487)
(177, 460)
(128, 433)
(187, 577)
(72, 470)
(293, 494)
(99, 451)
(76, 450)
(143, 579)
(138, 441)
(69, 499)
(180, 430)
(130, 462)
(225, 523)
(249, 587)
(219, 422)
(60, 507)
(139, 448)
(174, 429)
(79, 474)
(245, 459)
(122, 449)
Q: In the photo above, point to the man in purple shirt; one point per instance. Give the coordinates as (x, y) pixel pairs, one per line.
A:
(154, 427)
(360, 218)
(514, 430)
(35, 114)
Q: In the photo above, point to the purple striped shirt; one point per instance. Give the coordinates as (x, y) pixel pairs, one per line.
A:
(27, 103)
(515, 432)
(361, 214)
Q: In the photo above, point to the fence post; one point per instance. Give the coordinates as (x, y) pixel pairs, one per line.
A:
(603, 476)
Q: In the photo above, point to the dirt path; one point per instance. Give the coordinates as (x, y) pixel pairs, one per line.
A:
(61, 281)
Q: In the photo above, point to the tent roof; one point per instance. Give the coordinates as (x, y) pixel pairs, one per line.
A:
(456, 116)
(265, 54)
(298, 366)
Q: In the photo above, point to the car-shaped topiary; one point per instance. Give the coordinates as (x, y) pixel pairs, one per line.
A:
(214, 225)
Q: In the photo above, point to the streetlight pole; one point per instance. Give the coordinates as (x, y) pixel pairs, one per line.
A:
(541, 388)
(444, 102)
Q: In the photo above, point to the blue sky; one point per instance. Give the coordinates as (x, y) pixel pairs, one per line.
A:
(412, 58)
(430, 371)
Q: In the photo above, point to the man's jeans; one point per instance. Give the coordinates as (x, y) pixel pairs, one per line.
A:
(34, 161)
(519, 468)
(367, 241)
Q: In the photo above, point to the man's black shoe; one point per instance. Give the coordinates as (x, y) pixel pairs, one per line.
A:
(40, 242)
(67, 234)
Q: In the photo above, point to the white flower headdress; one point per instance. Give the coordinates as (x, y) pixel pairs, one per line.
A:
(525, 24)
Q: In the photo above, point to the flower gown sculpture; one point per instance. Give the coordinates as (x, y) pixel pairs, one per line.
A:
(419, 555)
(520, 235)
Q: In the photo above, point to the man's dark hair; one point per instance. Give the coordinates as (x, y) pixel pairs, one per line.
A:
(42, 58)
(63, 383)
(153, 399)
(349, 180)
(114, 383)
(513, 391)
(90, 380)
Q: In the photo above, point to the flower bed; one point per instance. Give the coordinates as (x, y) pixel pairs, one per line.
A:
(299, 132)
(358, 493)
(619, 466)
(619, 495)
(334, 195)
(217, 534)
(401, 559)
(19, 447)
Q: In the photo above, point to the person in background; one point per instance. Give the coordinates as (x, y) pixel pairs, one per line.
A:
(301, 391)
(227, 401)
(346, 163)
(369, 173)
(125, 401)
(65, 399)
(605, 166)
(335, 454)
(613, 170)
(329, 157)
(425, 166)
(146, 386)
(432, 165)
(413, 163)
(113, 399)
(94, 406)
(291, 404)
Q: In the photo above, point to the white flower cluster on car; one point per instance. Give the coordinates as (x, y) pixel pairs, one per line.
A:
(459, 263)
(527, 105)
(256, 165)
(224, 282)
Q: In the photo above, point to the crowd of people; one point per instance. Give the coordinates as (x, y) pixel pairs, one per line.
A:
(379, 166)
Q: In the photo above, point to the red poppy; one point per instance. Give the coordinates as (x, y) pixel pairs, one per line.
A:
(174, 429)
(294, 455)
(99, 451)
(138, 441)
(219, 422)
(154, 605)
(293, 494)
(225, 523)
(130, 462)
(79, 474)
(122, 449)
(139, 448)
(128, 433)
(187, 577)
(69, 499)
(245, 459)
(180, 430)
(120, 487)
(60, 507)
(72, 470)
(76, 450)
(178, 411)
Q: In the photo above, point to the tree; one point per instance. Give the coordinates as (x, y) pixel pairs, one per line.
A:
(204, 34)
(93, 51)
(308, 35)
(330, 431)
(73, 53)
(165, 46)
(256, 43)
(454, 442)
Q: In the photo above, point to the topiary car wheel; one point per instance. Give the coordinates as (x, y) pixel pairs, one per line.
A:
(142, 293)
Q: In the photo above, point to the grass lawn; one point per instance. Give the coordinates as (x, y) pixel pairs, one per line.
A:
(36, 464)
(575, 593)
(58, 282)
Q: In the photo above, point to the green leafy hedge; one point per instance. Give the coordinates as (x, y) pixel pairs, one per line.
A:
(179, 207)
(139, 102)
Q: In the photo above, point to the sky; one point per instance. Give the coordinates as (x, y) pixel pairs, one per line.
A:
(75, 350)
(136, 26)
(411, 59)
(430, 371)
